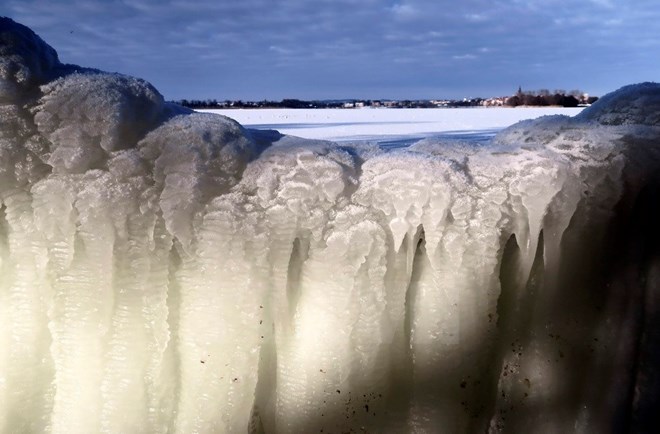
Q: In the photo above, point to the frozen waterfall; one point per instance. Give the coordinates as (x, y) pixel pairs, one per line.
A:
(169, 271)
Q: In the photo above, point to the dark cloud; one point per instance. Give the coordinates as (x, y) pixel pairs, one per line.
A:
(256, 49)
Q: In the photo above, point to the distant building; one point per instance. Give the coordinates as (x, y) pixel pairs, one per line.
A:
(494, 102)
(440, 102)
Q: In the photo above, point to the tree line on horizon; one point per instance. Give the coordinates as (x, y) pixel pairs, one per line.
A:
(540, 98)
(544, 97)
(285, 103)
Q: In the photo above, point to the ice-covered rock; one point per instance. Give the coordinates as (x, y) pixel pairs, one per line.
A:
(167, 271)
(26, 61)
(637, 104)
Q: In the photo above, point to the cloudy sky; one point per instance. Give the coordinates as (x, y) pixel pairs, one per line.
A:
(317, 49)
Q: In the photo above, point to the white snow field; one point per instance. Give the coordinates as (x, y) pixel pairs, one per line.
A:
(389, 127)
(165, 271)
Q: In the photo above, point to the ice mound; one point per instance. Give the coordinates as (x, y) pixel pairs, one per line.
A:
(25, 60)
(630, 105)
(168, 271)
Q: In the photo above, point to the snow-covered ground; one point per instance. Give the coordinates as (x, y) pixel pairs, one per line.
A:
(389, 127)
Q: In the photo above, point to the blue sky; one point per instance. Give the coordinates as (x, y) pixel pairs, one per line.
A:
(316, 49)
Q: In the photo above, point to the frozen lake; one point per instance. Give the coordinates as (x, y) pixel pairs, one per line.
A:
(389, 127)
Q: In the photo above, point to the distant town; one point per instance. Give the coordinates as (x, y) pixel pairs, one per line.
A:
(540, 98)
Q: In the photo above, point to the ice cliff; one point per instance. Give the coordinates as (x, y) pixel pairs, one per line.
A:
(169, 271)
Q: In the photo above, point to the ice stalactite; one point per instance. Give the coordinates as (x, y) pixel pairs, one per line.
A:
(170, 271)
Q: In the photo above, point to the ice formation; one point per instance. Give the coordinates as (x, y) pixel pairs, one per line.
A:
(169, 271)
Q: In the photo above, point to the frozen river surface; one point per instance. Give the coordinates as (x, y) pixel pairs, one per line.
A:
(389, 127)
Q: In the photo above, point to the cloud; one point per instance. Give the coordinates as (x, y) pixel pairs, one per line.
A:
(603, 3)
(404, 11)
(464, 57)
(476, 17)
(280, 50)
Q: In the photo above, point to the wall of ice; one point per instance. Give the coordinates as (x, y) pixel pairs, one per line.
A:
(170, 271)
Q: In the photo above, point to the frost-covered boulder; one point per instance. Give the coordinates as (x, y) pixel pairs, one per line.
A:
(87, 116)
(169, 271)
(25, 60)
(637, 104)
(194, 158)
